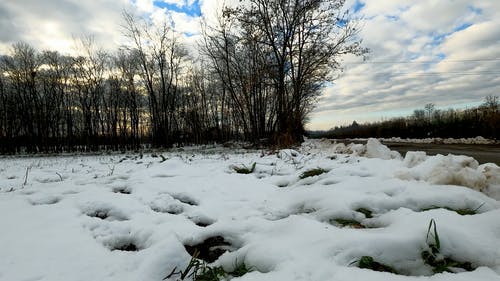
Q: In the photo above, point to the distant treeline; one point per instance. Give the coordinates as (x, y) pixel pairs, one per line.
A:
(256, 76)
(429, 122)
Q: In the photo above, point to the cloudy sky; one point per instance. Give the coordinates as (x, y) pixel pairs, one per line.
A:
(445, 52)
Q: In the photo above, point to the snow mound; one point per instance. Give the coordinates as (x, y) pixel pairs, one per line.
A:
(340, 148)
(492, 174)
(374, 149)
(448, 170)
(352, 148)
(413, 158)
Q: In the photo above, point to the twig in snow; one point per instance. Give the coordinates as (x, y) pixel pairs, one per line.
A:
(163, 159)
(112, 170)
(26, 176)
(59, 176)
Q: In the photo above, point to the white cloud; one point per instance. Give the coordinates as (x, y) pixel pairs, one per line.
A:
(185, 23)
(144, 6)
(433, 61)
(54, 24)
(427, 35)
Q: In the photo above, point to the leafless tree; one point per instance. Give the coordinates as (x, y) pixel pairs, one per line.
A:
(299, 43)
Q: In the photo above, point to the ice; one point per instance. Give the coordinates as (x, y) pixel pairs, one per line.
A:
(130, 217)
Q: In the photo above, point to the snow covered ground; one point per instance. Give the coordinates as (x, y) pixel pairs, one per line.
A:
(129, 217)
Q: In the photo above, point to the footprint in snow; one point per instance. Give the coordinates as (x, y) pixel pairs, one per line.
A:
(173, 209)
(202, 221)
(163, 176)
(186, 199)
(330, 182)
(44, 200)
(125, 243)
(104, 212)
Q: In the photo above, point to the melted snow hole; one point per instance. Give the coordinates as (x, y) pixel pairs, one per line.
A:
(106, 213)
(202, 221)
(128, 244)
(122, 190)
(210, 249)
(282, 183)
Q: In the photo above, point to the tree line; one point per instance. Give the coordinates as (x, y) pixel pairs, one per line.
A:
(256, 76)
(429, 122)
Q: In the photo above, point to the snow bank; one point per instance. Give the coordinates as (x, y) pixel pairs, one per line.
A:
(476, 140)
(451, 170)
(372, 149)
(439, 169)
(413, 158)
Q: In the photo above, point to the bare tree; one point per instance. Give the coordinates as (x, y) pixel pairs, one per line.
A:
(161, 58)
(299, 42)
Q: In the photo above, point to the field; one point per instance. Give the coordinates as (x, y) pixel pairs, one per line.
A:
(319, 212)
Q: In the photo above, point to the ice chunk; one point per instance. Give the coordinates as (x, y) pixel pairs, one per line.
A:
(375, 149)
(492, 173)
(445, 170)
(413, 158)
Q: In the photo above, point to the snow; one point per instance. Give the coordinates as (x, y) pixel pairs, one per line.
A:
(374, 149)
(72, 217)
(440, 169)
(476, 140)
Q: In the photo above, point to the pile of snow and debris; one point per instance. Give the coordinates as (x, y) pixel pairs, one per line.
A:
(438, 169)
(450, 170)
(323, 211)
(476, 140)
(372, 149)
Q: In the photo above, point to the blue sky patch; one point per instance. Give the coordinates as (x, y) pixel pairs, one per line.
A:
(475, 10)
(358, 6)
(392, 17)
(341, 22)
(192, 10)
(437, 39)
(462, 26)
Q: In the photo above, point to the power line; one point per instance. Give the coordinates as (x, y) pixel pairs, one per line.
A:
(446, 73)
(423, 62)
